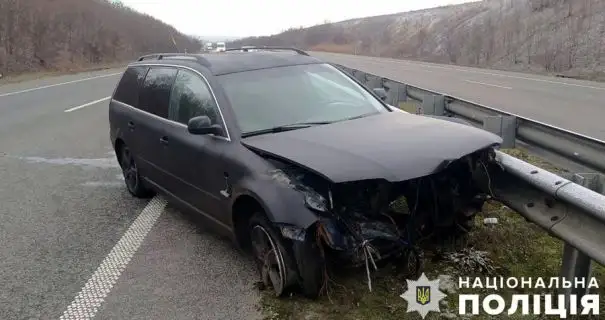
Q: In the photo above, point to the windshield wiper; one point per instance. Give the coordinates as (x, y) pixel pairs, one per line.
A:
(287, 127)
(358, 117)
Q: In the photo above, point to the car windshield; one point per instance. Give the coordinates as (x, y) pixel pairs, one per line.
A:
(269, 98)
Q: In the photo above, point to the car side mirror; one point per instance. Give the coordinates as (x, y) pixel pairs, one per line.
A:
(203, 125)
(381, 93)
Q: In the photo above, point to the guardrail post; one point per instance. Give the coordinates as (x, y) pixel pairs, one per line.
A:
(375, 82)
(360, 76)
(345, 69)
(433, 105)
(402, 93)
(504, 126)
(575, 264)
(397, 92)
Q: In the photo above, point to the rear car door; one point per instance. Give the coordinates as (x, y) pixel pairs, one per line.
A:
(150, 125)
(123, 107)
(195, 160)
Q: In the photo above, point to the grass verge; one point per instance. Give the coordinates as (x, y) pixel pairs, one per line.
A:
(409, 106)
(514, 247)
(53, 73)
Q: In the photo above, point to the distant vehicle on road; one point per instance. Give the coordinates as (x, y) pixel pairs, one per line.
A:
(220, 47)
(295, 160)
(209, 47)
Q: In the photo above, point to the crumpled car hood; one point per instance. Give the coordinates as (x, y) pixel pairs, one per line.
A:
(392, 146)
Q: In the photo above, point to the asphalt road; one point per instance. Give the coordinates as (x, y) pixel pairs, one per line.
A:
(64, 209)
(570, 104)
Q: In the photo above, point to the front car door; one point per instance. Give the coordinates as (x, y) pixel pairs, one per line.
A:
(195, 160)
(152, 123)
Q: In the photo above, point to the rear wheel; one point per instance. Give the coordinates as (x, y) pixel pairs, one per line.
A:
(130, 171)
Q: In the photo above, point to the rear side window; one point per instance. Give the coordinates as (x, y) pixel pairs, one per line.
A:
(127, 90)
(155, 93)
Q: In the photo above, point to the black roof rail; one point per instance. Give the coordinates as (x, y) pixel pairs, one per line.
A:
(147, 57)
(180, 56)
(246, 48)
(160, 56)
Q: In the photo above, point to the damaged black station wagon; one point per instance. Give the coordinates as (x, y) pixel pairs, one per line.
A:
(294, 159)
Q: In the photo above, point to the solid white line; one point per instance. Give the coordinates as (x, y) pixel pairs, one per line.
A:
(57, 84)
(91, 297)
(87, 104)
(487, 84)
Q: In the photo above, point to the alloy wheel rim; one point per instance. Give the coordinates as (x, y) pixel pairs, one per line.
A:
(269, 259)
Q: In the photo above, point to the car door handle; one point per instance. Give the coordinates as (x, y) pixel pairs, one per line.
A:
(131, 125)
(164, 140)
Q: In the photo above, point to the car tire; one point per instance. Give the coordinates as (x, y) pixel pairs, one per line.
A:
(130, 171)
(274, 262)
(410, 262)
(311, 266)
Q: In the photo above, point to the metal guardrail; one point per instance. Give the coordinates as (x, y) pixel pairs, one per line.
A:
(571, 208)
(564, 208)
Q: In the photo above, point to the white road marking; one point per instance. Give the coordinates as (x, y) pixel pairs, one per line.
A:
(487, 84)
(91, 297)
(87, 104)
(58, 84)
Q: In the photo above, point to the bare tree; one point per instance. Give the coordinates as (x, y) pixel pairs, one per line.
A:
(489, 42)
(70, 34)
(452, 47)
(554, 35)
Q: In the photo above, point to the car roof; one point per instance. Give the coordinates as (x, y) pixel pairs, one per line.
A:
(237, 61)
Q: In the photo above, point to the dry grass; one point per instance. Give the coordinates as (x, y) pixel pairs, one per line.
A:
(45, 74)
(335, 48)
(409, 106)
(516, 248)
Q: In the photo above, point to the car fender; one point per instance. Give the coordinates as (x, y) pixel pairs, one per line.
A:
(282, 204)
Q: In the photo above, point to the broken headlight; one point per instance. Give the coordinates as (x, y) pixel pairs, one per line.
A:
(315, 201)
(292, 232)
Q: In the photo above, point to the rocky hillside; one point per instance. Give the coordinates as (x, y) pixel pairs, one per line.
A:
(69, 34)
(566, 37)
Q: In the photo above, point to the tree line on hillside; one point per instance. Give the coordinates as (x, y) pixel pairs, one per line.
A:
(566, 37)
(71, 34)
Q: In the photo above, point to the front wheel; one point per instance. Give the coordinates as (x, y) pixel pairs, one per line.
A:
(130, 171)
(410, 262)
(274, 262)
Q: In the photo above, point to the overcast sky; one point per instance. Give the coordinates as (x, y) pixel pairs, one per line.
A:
(242, 18)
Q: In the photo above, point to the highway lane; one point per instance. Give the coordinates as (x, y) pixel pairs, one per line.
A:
(567, 103)
(63, 207)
